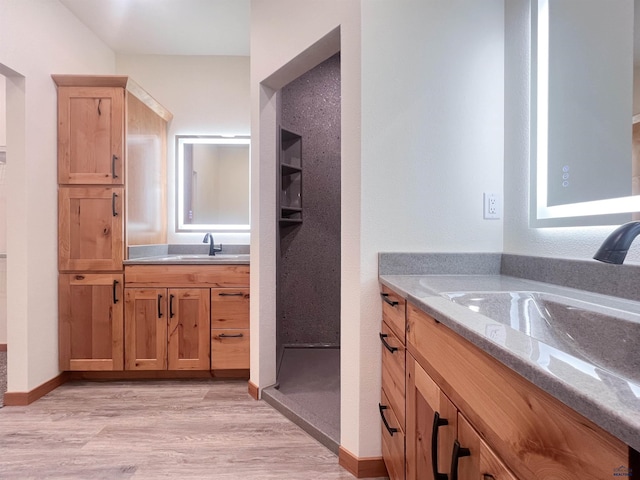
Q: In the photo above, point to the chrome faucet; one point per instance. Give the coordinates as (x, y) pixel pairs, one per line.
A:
(212, 250)
(615, 247)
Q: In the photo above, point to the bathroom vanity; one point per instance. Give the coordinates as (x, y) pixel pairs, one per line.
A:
(156, 316)
(186, 317)
(469, 397)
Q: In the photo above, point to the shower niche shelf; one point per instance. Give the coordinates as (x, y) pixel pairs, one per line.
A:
(290, 178)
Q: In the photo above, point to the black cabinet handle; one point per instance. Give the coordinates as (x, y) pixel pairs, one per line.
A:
(458, 452)
(115, 291)
(113, 204)
(391, 430)
(437, 423)
(384, 342)
(113, 166)
(230, 294)
(385, 297)
(488, 476)
(159, 306)
(171, 314)
(226, 335)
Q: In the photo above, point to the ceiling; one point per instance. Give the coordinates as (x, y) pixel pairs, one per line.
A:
(167, 27)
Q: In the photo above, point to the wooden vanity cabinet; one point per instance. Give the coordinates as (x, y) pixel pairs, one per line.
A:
(197, 316)
(167, 329)
(511, 428)
(392, 399)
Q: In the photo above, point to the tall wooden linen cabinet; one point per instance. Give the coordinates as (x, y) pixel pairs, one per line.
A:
(111, 193)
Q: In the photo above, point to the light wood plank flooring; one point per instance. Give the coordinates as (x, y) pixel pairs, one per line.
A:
(147, 430)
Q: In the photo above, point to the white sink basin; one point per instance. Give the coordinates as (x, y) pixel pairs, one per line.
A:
(604, 336)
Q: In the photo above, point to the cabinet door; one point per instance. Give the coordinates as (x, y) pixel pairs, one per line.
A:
(189, 329)
(145, 335)
(90, 228)
(481, 463)
(431, 425)
(90, 135)
(91, 321)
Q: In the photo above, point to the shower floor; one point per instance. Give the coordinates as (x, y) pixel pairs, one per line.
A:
(308, 392)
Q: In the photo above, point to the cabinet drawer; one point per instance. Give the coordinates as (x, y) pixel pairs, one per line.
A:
(392, 441)
(229, 349)
(230, 308)
(534, 434)
(393, 371)
(186, 275)
(393, 311)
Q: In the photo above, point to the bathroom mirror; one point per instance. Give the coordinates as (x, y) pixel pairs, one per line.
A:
(581, 112)
(212, 183)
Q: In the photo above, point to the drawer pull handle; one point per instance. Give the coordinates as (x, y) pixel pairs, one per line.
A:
(230, 294)
(488, 476)
(385, 297)
(226, 335)
(115, 291)
(114, 195)
(458, 452)
(159, 306)
(171, 314)
(437, 423)
(391, 430)
(113, 166)
(384, 342)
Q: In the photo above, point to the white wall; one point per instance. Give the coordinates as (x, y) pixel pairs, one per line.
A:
(519, 238)
(3, 213)
(430, 130)
(432, 141)
(3, 111)
(281, 30)
(208, 95)
(37, 38)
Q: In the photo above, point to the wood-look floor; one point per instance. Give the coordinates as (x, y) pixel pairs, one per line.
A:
(162, 429)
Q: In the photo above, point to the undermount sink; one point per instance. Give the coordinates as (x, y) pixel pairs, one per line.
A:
(606, 337)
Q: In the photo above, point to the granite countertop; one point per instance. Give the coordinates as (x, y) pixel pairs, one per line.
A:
(191, 259)
(611, 400)
(187, 254)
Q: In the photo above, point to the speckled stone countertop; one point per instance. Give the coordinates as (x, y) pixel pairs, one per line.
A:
(611, 400)
(187, 254)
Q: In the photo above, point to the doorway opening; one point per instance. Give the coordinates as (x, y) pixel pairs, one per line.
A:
(308, 253)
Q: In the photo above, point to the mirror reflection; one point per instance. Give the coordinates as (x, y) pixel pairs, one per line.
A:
(213, 190)
(582, 109)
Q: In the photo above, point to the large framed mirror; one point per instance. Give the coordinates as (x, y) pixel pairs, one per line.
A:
(212, 183)
(582, 95)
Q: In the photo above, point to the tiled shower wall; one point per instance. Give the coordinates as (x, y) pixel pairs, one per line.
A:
(309, 262)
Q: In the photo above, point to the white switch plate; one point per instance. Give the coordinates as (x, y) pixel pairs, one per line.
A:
(492, 206)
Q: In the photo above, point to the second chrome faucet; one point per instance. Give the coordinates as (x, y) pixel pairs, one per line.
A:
(212, 250)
